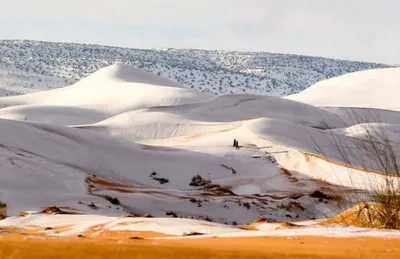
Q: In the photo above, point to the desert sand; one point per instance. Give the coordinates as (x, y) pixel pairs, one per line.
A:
(14, 247)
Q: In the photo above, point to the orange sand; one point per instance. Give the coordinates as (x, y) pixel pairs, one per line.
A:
(14, 247)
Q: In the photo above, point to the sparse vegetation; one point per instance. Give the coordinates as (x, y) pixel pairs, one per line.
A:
(65, 63)
(198, 202)
(161, 180)
(93, 206)
(230, 168)
(136, 238)
(53, 210)
(208, 185)
(192, 234)
(3, 210)
(171, 213)
(246, 205)
(375, 153)
(198, 181)
(113, 200)
(206, 218)
(23, 214)
(320, 195)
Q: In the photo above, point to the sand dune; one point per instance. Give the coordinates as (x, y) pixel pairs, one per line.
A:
(375, 88)
(124, 142)
(111, 90)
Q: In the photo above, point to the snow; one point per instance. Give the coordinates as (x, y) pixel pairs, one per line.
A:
(82, 153)
(81, 224)
(317, 231)
(15, 81)
(54, 114)
(354, 115)
(28, 66)
(376, 88)
(219, 114)
(107, 92)
(247, 189)
(171, 226)
(126, 134)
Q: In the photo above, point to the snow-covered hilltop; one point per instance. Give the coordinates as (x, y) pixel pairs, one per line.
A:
(28, 66)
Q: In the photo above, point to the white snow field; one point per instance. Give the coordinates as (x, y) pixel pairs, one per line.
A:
(125, 142)
(375, 88)
(107, 92)
(175, 228)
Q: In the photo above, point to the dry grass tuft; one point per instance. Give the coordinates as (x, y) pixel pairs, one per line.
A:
(53, 210)
(371, 149)
(261, 220)
(369, 215)
(289, 225)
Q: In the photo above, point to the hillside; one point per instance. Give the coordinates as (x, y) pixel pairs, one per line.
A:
(28, 66)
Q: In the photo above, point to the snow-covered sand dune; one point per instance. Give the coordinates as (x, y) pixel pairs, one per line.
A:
(220, 114)
(122, 141)
(109, 91)
(376, 88)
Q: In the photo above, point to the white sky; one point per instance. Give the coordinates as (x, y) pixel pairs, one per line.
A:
(367, 30)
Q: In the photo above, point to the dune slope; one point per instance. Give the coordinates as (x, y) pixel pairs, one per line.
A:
(124, 142)
(375, 88)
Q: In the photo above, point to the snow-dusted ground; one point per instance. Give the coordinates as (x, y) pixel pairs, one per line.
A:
(95, 226)
(15, 81)
(27, 66)
(123, 141)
